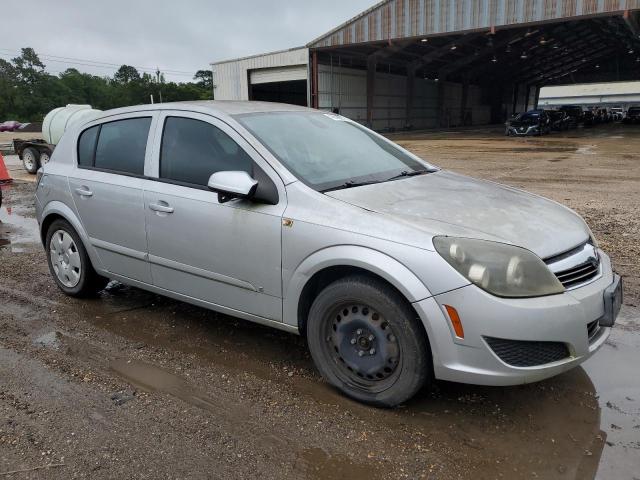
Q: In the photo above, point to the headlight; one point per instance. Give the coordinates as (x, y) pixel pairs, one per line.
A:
(500, 269)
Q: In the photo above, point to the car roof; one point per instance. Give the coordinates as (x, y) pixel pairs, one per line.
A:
(228, 107)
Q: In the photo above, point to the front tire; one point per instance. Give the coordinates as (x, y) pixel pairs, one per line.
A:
(367, 341)
(69, 262)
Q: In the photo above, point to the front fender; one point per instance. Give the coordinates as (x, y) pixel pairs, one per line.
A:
(365, 258)
(58, 208)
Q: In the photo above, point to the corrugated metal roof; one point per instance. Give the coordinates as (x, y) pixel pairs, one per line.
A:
(394, 19)
(293, 51)
(590, 90)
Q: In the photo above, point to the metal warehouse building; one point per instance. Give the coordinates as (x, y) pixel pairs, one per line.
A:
(442, 63)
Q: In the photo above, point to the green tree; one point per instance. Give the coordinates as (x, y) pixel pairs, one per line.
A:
(204, 78)
(126, 74)
(28, 92)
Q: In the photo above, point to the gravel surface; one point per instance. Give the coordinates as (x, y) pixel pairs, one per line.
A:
(133, 385)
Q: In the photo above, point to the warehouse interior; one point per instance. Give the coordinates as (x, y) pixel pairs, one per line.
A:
(473, 78)
(417, 64)
(285, 91)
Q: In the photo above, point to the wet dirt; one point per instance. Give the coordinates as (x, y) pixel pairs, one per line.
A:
(133, 385)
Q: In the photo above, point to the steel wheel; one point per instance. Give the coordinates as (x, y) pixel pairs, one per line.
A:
(44, 158)
(29, 160)
(65, 258)
(362, 346)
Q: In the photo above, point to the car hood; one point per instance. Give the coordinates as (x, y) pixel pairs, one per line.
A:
(445, 203)
(524, 123)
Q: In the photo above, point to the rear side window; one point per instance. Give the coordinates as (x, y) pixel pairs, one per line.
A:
(87, 146)
(122, 145)
(193, 150)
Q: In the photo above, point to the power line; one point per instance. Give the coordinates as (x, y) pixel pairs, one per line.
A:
(82, 61)
(93, 63)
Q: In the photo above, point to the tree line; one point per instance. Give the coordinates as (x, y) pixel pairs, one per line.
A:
(28, 92)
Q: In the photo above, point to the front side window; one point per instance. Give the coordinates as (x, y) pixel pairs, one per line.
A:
(327, 152)
(193, 150)
(122, 145)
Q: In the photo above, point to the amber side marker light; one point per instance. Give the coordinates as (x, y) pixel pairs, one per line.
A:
(455, 321)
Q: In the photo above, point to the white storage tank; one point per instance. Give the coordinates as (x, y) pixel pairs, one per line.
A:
(59, 119)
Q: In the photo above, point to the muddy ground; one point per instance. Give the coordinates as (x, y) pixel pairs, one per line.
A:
(132, 385)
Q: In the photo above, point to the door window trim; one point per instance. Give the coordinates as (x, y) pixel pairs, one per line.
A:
(163, 127)
(209, 118)
(153, 116)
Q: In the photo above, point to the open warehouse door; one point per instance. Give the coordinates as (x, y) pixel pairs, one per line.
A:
(279, 84)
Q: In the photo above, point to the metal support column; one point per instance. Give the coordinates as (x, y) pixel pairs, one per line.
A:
(371, 88)
(411, 75)
(314, 80)
(464, 101)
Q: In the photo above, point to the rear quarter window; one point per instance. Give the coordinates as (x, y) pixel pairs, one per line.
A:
(87, 146)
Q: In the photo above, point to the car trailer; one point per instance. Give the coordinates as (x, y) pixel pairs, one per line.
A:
(34, 153)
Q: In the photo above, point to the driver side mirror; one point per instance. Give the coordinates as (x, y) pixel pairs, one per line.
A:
(230, 185)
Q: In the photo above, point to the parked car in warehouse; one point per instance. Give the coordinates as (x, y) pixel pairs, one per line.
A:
(396, 271)
(533, 122)
(617, 113)
(588, 118)
(575, 114)
(632, 116)
(558, 120)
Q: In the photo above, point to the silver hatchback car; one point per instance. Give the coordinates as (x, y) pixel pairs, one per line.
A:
(397, 272)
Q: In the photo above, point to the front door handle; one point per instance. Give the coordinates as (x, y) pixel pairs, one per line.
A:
(84, 191)
(162, 207)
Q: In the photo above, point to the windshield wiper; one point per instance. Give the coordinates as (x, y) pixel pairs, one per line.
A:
(351, 184)
(405, 173)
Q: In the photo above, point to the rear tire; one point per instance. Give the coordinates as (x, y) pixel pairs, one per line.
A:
(368, 342)
(69, 262)
(31, 159)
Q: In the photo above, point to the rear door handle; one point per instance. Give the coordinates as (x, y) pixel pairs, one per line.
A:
(84, 191)
(162, 207)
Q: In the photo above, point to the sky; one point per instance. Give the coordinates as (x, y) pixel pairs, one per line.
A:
(178, 36)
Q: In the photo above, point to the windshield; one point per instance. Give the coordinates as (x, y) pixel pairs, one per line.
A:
(528, 116)
(327, 151)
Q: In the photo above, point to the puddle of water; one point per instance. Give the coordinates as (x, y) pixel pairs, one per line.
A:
(320, 465)
(16, 230)
(614, 371)
(586, 150)
(49, 340)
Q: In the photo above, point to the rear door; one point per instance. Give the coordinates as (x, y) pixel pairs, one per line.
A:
(228, 254)
(107, 189)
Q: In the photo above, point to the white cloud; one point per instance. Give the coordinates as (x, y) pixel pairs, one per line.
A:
(181, 35)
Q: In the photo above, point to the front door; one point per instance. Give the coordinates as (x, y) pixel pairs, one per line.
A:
(228, 254)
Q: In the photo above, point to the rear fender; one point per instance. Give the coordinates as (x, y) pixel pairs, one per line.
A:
(58, 208)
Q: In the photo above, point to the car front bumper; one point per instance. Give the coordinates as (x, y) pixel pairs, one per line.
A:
(523, 131)
(562, 318)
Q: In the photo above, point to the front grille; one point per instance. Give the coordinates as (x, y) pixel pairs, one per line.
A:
(527, 354)
(579, 274)
(593, 329)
